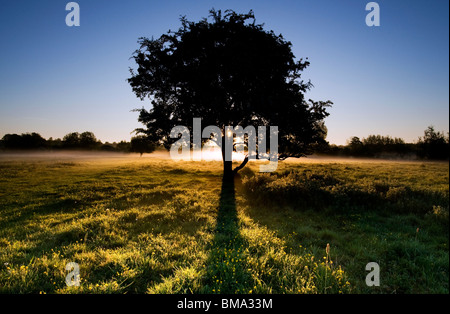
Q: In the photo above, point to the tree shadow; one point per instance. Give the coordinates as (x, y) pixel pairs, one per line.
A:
(226, 270)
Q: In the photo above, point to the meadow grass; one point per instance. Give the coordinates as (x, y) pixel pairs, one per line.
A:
(152, 225)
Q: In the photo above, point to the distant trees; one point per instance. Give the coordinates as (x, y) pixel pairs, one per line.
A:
(141, 144)
(433, 146)
(378, 144)
(71, 141)
(356, 146)
(23, 141)
(85, 140)
(123, 146)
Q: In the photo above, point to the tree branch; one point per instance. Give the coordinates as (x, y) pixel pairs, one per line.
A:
(242, 165)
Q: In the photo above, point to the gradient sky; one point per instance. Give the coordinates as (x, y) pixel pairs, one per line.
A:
(389, 80)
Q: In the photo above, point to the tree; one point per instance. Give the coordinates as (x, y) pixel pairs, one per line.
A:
(87, 140)
(24, 141)
(356, 146)
(228, 71)
(71, 140)
(141, 145)
(123, 146)
(433, 145)
(54, 143)
(12, 141)
(378, 144)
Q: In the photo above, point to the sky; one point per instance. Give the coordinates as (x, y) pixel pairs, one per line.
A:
(391, 79)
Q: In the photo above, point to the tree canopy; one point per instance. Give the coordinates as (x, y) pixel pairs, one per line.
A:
(141, 145)
(228, 71)
(433, 145)
(85, 140)
(24, 141)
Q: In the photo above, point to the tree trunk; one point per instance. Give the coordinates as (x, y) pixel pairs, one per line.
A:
(227, 165)
(242, 165)
(228, 169)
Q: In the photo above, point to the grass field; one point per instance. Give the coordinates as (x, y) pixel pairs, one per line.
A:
(152, 225)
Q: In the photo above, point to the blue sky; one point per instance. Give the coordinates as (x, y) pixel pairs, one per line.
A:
(388, 80)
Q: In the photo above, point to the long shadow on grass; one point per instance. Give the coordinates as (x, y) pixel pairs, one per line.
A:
(226, 270)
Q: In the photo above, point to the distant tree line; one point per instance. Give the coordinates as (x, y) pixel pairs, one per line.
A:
(434, 145)
(73, 141)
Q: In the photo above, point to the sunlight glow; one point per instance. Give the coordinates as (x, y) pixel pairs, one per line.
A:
(212, 152)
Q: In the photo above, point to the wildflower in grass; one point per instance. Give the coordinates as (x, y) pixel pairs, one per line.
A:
(327, 250)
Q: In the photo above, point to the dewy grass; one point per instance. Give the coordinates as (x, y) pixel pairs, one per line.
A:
(151, 225)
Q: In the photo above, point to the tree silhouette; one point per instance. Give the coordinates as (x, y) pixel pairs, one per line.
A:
(141, 145)
(356, 146)
(24, 141)
(88, 140)
(228, 71)
(433, 145)
(71, 140)
(85, 140)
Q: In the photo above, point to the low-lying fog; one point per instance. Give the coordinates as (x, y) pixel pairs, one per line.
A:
(208, 155)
